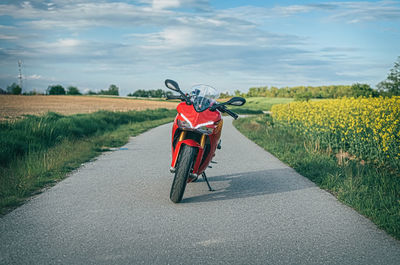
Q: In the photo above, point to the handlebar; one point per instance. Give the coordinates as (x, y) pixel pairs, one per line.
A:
(229, 112)
(233, 114)
(181, 97)
(220, 108)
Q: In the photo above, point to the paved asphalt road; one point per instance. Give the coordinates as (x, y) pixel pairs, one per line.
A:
(116, 210)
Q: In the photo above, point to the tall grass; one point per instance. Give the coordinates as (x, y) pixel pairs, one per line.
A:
(36, 133)
(40, 150)
(373, 191)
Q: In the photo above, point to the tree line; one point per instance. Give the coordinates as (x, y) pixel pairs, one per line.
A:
(72, 90)
(153, 93)
(304, 92)
(15, 89)
(388, 87)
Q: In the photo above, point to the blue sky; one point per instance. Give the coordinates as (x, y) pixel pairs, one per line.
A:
(227, 44)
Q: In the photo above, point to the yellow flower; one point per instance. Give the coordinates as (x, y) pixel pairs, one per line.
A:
(370, 126)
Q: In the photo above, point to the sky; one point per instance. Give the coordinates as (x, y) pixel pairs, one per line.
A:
(229, 45)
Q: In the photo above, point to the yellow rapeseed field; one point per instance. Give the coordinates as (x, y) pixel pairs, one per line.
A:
(366, 127)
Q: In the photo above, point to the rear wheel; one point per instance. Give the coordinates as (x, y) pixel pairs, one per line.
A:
(185, 165)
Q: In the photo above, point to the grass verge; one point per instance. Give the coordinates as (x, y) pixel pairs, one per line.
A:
(372, 191)
(41, 162)
(261, 104)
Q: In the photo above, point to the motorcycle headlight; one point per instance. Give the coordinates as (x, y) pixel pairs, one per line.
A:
(184, 124)
(205, 130)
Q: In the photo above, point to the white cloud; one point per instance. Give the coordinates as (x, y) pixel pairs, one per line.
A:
(356, 12)
(58, 47)
(161, 4)
(34, 77)
(128, 39)
(6, 27)
(67, 43)
(350, 12)
(86, 15)
(165, 4)
(7, 37)
(292, 10)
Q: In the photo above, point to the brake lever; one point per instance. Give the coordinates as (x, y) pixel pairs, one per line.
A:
(217, 106)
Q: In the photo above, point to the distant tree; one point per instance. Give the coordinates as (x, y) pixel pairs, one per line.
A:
(303, 96)
(362, 90)
(72, 90)
(56, 90)
(90, 92)
(391, 86)
(2, 91)
(14, 89)
(224, 95)
(300, 91)
(138, 93)
(112, 90)
(32, 93)
(237, 93)
(152, 93)
(159, 93)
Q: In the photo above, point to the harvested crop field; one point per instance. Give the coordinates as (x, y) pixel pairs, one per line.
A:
(13, 107)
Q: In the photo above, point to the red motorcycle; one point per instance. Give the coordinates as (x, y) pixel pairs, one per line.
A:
(196, 134)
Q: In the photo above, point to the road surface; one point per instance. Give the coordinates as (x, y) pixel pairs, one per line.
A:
(116, 210)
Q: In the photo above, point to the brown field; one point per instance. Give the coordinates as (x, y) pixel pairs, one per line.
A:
(13, 107)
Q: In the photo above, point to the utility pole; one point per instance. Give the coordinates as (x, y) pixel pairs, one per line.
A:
(20, 73)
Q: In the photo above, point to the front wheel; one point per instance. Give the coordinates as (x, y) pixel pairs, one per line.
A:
(185, 165)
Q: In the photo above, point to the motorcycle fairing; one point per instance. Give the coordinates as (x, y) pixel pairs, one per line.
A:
(207, 118)
(195, 118)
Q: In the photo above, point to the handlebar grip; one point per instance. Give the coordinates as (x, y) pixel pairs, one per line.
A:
(233, 114)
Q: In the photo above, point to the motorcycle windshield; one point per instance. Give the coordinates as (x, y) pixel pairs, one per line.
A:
(203, 97)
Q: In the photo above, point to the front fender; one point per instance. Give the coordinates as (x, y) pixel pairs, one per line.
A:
(189, 142)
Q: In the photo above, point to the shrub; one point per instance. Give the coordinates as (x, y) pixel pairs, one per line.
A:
(112, 90)
(72, 90)
(56, 90)
(14, 89)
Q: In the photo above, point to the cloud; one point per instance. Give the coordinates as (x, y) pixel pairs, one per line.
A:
(165, 4)
(162, 4)
(356, 12)
(133, 40)
(34, 77)
(293, 9)
(66, 46)
(86, 15)
(7, 37)
(350, 12)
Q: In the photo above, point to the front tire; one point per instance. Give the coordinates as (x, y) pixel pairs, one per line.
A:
(185, 165)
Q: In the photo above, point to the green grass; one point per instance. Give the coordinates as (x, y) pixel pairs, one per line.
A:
(373, 191)
(263, 103)
(256, 105)
(39, 151)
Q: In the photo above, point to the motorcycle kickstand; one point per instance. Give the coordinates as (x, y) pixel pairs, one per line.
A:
(205, 178)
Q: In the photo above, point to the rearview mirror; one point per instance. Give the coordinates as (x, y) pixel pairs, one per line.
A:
(171, 84)
(236, 101)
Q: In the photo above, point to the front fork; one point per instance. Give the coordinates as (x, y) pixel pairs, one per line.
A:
(189, 142)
